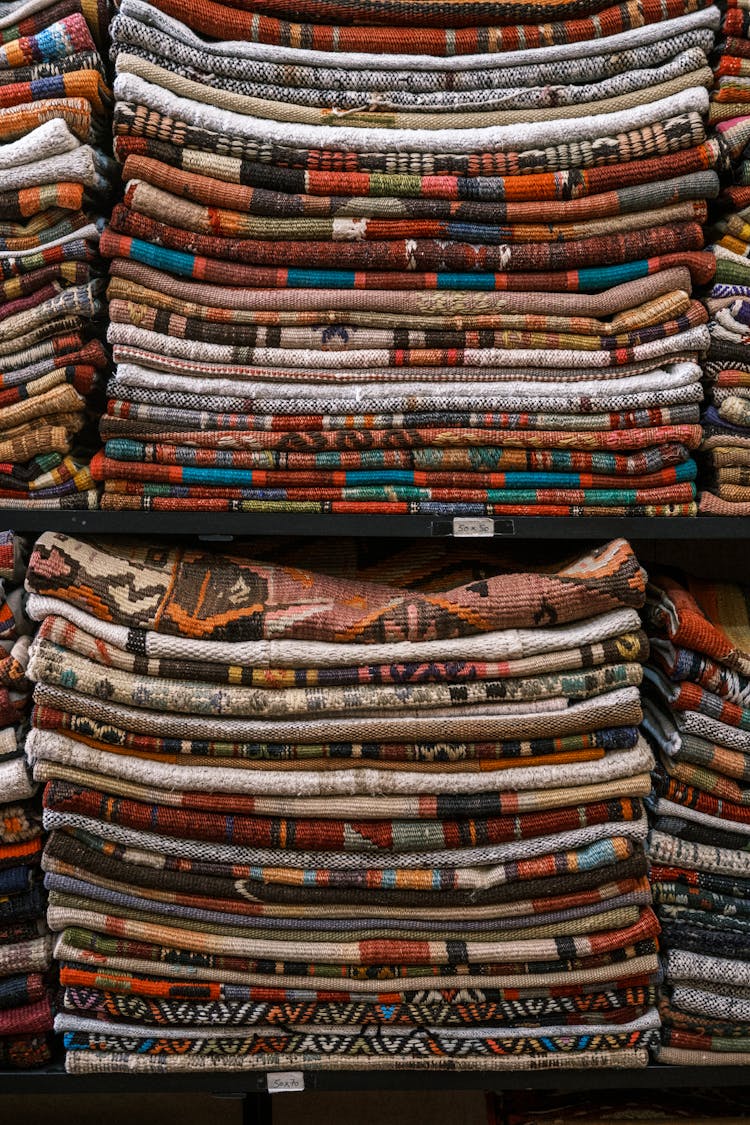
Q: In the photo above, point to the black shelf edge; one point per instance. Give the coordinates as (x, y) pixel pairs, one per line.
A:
(54, 1080)
(247, 525)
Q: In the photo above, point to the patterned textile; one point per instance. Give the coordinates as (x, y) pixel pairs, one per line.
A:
(273, 751)
(406, 1048)
(174, 595)
(240, 1010)
(19, 20)
(425, 12)
(123, 1062)
(11, 556)
(23, 1052)
(215, 20)
(706, 617)
(500, 177)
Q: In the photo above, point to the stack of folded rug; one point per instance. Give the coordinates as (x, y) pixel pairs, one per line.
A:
(54, 179)
(726, 443)
(696, 715)
(371, 815)
(412, 258)
(25, 944)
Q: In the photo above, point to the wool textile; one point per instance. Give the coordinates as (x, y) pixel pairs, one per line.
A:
(364, 810)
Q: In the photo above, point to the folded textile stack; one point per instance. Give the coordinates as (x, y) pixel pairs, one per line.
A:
(371, 816)
(53, 181)
(453, 279)
(696, 714)
(25, 942)
(726, 443)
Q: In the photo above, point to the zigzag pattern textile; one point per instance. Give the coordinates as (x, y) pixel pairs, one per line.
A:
(726, 440)
(409, 257)
(26, 1016)
(697, 720)
(362, 811)
(55, 112)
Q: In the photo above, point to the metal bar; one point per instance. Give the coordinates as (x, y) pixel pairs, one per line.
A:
(231, 524)
(55, 1081)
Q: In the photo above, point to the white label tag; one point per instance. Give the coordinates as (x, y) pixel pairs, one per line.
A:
(466, 527)
(286, 1082)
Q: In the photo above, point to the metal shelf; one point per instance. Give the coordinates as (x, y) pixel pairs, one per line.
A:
(232, 524)
(54, 1080)
(253, 1085)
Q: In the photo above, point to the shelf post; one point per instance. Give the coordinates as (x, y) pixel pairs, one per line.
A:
(257, 1109)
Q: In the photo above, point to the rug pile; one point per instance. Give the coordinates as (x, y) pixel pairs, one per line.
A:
(697, 717)
(25, 942)
(726, 441)
(55, 112)
(343, 812)
(402, 258)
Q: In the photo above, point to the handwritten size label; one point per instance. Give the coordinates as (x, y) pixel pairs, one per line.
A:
(286, 1082)
(464, 527)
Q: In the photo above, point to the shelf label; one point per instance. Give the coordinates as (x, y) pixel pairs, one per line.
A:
(467, 527)
(286, 1082)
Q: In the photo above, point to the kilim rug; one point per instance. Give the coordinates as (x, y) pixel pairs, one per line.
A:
(493, 884)
(566, 165)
